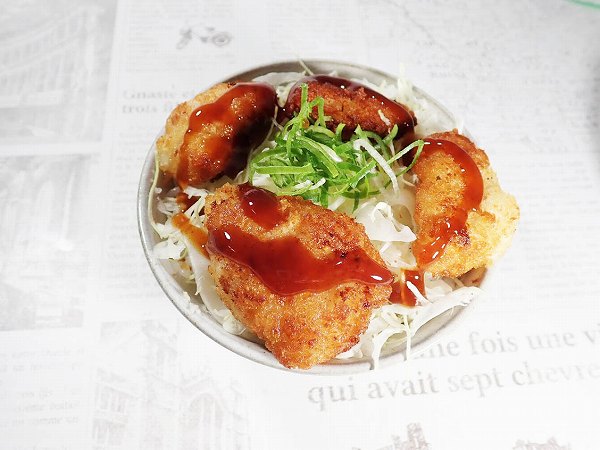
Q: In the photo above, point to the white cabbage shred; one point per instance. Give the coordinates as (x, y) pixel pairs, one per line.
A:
(388, 222)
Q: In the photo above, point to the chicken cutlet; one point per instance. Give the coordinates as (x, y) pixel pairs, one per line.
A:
(352, 104)
(464, 219)
(305, 279)
(213, 133)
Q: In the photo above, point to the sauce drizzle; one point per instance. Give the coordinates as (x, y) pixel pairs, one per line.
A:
(453, 224)
(286, 267)
(197, 236)
(400, 291)
(225, 130)
(184, 201)
(261, 206)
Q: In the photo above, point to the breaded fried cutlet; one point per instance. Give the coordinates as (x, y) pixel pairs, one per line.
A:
(168, 145)
(352, 104)
(440, 187)
(213, 133)
(305, 328)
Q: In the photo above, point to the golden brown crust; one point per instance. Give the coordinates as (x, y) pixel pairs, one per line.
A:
(305, 329)
(167, 146)
(212, 134)
(354, 108)
(489, 228)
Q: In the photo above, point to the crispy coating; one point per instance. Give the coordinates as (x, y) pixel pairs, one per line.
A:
(354, 105)
(169, 143)
(201, 145)
(304, 329)
(489, 229)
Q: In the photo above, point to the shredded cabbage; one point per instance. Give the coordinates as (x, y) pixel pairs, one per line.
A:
(355, 177)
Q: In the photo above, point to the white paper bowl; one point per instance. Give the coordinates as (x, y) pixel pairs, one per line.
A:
(182, 293)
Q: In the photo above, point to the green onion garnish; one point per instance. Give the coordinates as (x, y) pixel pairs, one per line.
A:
(309, 160)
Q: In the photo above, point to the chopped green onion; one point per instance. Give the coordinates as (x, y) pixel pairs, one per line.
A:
(285, 170)
(306, 158)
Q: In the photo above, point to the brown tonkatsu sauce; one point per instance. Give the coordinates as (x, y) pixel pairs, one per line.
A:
(197, 236)
(452, 225)
(286, 267)
(261, 206)
(284, 264)
(400, 291)
(226, 130)
(184, 201)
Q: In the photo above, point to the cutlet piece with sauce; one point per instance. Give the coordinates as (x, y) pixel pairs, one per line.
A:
(352, 104)
(213, 133)
(463, 217)
(303, 278)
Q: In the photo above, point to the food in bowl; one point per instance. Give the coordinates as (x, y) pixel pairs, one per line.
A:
(328, 218)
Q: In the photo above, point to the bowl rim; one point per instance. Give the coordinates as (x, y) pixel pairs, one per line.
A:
(206, 323)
